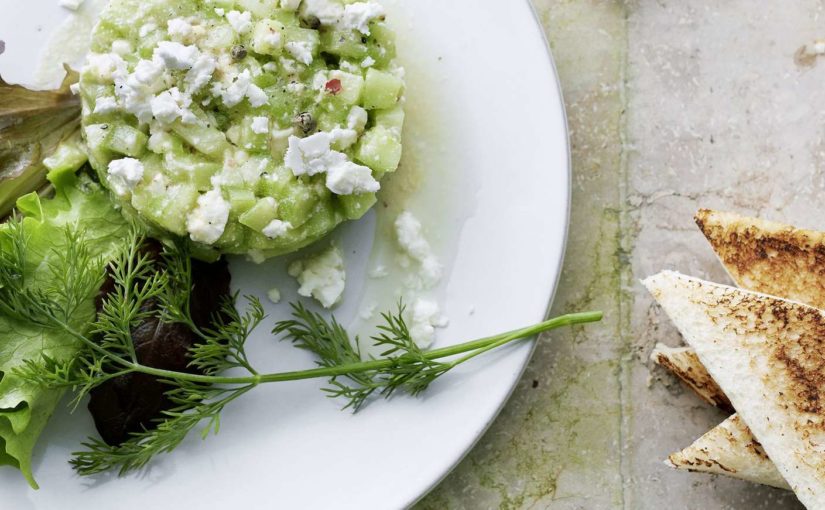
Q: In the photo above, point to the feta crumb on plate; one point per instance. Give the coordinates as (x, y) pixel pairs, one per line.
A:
(274, 295)
(410, 236)
(322, 276)
(424, 317)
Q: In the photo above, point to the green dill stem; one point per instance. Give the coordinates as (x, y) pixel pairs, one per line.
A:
(474, 347)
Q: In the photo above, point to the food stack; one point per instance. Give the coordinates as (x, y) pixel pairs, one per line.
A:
(757, 350)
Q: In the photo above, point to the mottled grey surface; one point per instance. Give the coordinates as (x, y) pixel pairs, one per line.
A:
(673, 105)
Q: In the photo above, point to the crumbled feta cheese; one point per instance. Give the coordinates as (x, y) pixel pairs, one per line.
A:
(349, 67)
(368, 62)
(147, 29)
(368, 312)
(328, 12)
(175, 55)
(423, 317)
(322, 276)
(347, 178)
(241, 21)
(121, 47)
(357, 16)
(124, 175)
(105, 105)
(260, 125)
(274, 295)
(343, 138)
(295, 87)
(72, 5)
(256, 95)
(270, 67)
(171, 105)
(240, 88)
(201, 73)
(219, 11)
(276, 229)
(300, 50)
(179, 29)
(313, 155)
(357, 118)
(207, 221)
(409, 234)
(147, 71)
(105, 66)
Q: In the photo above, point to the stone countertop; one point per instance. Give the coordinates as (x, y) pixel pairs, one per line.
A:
(672, 105)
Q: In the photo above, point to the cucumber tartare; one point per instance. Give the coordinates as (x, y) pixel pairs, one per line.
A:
(248, 126)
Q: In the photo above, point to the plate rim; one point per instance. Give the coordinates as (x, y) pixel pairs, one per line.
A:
(560, 264)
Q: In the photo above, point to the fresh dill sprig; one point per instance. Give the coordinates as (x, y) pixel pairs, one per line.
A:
(199, 398)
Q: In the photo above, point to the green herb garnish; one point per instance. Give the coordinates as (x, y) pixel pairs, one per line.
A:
(109, 352)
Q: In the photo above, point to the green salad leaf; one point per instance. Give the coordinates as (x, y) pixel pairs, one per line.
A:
(41, 241)
(32, 125)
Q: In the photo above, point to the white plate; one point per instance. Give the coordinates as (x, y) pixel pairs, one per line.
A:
(486, 122)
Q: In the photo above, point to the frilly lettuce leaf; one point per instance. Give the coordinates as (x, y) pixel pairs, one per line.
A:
(25, 408)
(32, 124)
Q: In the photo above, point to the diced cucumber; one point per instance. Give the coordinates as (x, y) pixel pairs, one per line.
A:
(162, 142)
(267, 38)
(171, 210)
(392, 119)
(356, 206)
(99, 156)
(265, 80)
(241, 200)
(248, 139)
(381, 90)
(261, 214)
(192, 168)
(381, 45)
(296, 206)
(220, 4)
(66, 159)
(379, 149)
(302, 35)
(206, 140)
(344, 43)
(125, 140)
(285, 16)
(234, 235)
(259, 8)
(277, 183)
(351, 86)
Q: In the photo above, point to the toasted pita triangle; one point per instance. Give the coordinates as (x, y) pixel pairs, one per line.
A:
(768, 355)
(768, 257)
(729, 449)
(684, 364)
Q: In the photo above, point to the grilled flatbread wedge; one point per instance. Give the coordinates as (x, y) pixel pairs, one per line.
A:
(729, 449)
(768, 356)
(768, 257)
(684, 364)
